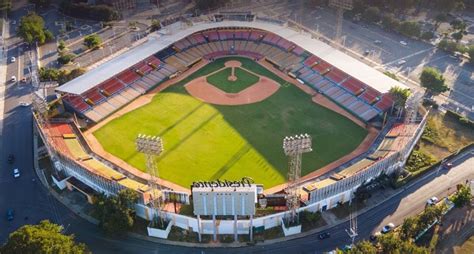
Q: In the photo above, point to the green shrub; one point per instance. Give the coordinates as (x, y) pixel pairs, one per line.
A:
(428, 35)
(419, 160)
(66, 58)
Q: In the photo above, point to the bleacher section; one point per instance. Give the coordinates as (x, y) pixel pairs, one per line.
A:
(111, 95)
(355, 96)
(68, 145)
(358, 98)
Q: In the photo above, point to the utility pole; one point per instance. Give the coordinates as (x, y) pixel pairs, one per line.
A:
(340, 6)
(352, 231)
(152, 147)
(294, 147)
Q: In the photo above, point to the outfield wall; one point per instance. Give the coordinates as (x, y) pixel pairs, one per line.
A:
(324, 198)
(321, 199)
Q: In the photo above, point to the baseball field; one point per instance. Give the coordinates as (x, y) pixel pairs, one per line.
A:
(205, 141)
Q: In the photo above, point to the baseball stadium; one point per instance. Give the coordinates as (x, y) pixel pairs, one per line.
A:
(222, 95)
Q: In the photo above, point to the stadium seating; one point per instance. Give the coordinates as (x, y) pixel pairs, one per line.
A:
(358, 98)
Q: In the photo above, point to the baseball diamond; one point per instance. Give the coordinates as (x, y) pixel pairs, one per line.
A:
(209, 141)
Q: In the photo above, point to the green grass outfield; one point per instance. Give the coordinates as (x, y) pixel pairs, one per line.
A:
(244, 79)
(206, 142)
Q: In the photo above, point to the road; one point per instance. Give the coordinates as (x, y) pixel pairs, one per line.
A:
(386, 55)
(30, 199)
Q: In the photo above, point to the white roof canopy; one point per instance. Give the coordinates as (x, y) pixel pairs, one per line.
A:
(176, 32)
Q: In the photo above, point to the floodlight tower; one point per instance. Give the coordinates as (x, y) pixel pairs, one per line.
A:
(152, 147)
(340, 6)
(294, 147)
(411, 107)
(40, 108)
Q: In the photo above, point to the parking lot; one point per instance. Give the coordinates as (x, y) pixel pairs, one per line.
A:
(386, 50)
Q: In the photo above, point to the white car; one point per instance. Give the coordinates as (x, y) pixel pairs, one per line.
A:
(401, 62)
(377, 42)
(404, 43)
(16, 173)
(13, 59)
(24, 104)
(432, 201)
(13, 79)
(387, 228)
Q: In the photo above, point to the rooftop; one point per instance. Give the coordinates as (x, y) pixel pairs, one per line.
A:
(158, 42)
(319, 184)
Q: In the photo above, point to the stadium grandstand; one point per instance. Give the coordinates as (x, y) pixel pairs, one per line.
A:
(351, 84)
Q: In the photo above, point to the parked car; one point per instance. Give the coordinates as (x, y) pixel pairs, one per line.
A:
(24, 104)
(404, 43)
(324, 235)
(11, 158)
(366, 52)
(13, 79)
(10, 214)
(401, 62)
(13, 59)
(432, 201)
(16, 173)
(387, 228)
(448, 165)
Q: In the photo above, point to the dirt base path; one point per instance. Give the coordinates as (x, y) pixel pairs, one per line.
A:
(204, 91)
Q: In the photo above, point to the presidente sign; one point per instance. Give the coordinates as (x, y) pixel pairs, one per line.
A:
(244, 182)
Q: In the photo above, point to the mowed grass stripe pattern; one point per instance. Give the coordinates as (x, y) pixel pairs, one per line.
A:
(204, 142)
(199, 143)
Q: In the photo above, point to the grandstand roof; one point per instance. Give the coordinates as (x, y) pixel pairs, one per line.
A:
(351, 66)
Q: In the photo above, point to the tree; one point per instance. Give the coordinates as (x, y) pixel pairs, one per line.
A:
(65, 76)
(155, 25)
(61, 45)
(363, 247)
(462, 196)
(372, 14)
(446, 5)
(427, 35)
(92, 41)
(457, 36)
(389, 22)
(65, 58)
(205, 5)
(5, 5)
(451, 46)
(41, 3)
(48, 74)
(115, 213)
(410, 28)
(412, 248)
(470, 51)
(400, 95)
(409, 228)
(440, 18)
(32, 29)
(428, 216)
(79, 9)
(389, 243)
(433, 80)
(458, 25)
(44, 237)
